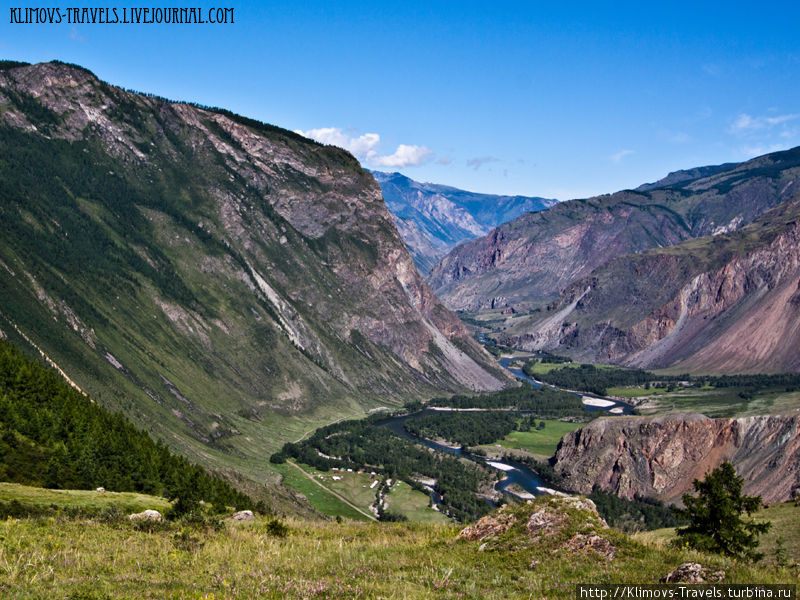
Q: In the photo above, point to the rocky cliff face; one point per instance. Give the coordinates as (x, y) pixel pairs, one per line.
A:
(723, 304)
(531, 259)
(226, 283)
(432, 219)
(661, 456)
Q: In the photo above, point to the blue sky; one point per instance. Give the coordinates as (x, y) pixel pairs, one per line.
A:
(525, 98)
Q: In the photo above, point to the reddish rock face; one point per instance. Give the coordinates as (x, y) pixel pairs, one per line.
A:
(536, 256)
(661, 456)
(720, 304)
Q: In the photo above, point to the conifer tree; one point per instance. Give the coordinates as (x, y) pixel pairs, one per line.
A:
(715, 516)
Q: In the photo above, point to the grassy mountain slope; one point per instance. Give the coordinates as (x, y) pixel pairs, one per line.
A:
(534, 257)
(74, 559)
(226, 284)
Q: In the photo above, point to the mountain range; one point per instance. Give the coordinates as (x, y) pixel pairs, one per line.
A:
(532, 258)
(433, 219)
(698, 271)
(226, 284)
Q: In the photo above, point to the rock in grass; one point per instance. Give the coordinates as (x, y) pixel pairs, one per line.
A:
(691, 572)
(243, 515)
(488, 526)
(147, 515)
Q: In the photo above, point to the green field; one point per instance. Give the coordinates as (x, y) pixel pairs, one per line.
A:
(320, 498)
(537, 441)
(722, 402)
(537, 367)
(413, 504)
(352, 486)
(81, 499)
(635, 391)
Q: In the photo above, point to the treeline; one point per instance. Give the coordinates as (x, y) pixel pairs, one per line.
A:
(633, 515)
(364, 445)
(589, 378)
(629, 515)
(553, 359)
(53, 436)
(541, 401)
(468, 428)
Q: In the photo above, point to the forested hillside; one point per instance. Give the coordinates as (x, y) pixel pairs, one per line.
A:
(53, 436)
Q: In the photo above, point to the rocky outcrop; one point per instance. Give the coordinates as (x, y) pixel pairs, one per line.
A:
(531, 259)
(661, 456)
(722, 304)
(560, 523)
(189, 266)
(432, 219)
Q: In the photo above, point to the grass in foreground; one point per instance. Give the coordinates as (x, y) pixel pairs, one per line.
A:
(47, 558)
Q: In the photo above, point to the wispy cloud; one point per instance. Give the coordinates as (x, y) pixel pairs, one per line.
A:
(679, 137)
(365, 147)
(477, 162)
(444, 160)
(745, 124)
(751, 151)
(617, 158)
(75, 36)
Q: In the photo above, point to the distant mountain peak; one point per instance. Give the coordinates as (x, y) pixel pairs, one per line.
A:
(434, 218)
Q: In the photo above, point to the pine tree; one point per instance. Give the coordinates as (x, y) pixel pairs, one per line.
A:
(715, 516)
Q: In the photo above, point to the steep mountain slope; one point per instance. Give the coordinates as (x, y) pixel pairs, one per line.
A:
(661, 456)
(432, 219)
(729, 303)
(225, 283)
(529, 260)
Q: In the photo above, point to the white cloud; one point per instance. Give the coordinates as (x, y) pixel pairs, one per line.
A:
(365, 147)
(616, 158)
(745, 124)
(404, 156)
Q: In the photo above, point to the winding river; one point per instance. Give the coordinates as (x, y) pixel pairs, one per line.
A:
(514, 472)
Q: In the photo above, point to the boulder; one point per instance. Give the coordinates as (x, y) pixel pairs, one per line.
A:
(243, 515)
(147, 515)
(691, 572)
